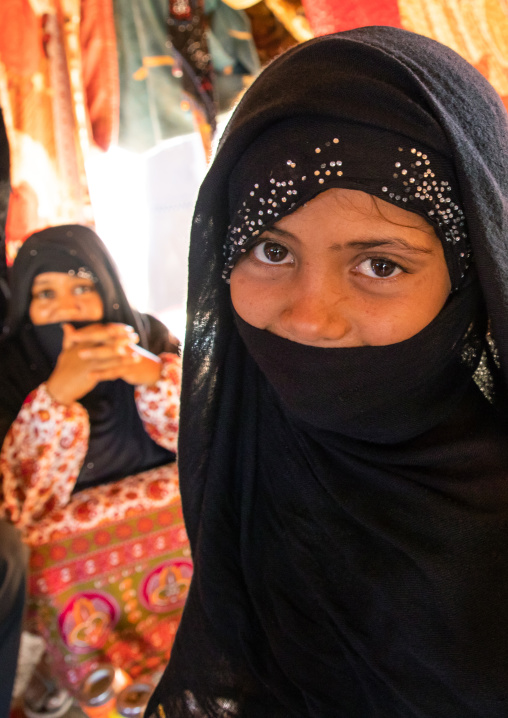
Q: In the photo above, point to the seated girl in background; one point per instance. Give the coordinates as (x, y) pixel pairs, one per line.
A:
(88, 388)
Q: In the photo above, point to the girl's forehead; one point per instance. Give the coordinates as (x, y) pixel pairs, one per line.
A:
(340, 220)
(61, 277)
(56, 276)
(350, 204)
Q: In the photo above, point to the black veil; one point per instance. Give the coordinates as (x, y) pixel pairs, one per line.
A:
(344, 577)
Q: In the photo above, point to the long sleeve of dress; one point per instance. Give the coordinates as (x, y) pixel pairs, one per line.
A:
(159, 404)
(42, 456)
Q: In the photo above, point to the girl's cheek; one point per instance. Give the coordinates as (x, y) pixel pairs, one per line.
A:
(38, 314)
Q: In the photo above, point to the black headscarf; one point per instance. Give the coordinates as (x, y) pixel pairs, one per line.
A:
(119, 444)
(317, 154)
(5, 191)
(350, 545)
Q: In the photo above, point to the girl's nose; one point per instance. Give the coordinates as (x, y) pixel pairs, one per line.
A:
(69, 307)
(315, 315)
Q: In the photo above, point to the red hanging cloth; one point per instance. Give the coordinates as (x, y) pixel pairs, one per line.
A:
(326, 16)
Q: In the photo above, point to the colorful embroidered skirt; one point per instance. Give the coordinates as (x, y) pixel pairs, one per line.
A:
(109, 576)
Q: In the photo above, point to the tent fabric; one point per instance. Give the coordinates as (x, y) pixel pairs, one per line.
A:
(42, 99)
(477, 30)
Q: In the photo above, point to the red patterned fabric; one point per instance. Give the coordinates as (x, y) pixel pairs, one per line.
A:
(477, 30)
(326, 16)
(100, 69)
(115, 587)
(43, 100)
(41, 456)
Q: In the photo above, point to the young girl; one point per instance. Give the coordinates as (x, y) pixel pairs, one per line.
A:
(89, 387)
(343, 452)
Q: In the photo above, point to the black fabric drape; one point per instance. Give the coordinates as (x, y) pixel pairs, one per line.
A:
(119, 444)
(343, 576)
(374, 393)
(5, 191)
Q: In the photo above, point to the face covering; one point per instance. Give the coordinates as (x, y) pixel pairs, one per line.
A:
(50, 338)
(376, 393)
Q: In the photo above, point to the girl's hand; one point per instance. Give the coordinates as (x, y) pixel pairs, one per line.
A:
(137, 366)
(72, 376)
(114, 334)
(99, 352)
(114, 348)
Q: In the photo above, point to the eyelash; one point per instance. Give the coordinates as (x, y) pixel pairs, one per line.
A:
(396, 265)
(85, 289)
(259, 245)
(43, 294)
(381, 259)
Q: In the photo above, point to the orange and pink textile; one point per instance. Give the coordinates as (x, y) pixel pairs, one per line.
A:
(59, 94)
(109, 575)
(477, 29)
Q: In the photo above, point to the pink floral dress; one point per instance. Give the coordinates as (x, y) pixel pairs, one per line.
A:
(45, 448)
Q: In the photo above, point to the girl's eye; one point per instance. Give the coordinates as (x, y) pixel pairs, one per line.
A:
(379, 268)
(272, 253)
(84, 289)
(44, 294)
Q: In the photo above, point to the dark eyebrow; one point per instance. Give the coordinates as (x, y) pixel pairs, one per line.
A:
(361, 243)
(387, 242)
(281, 233)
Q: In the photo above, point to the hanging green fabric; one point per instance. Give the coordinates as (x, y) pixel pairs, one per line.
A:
(152, 104)
(234, 55)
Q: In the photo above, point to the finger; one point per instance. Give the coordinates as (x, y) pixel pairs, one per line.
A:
(103, 333)
(116, 327)
(112, 349)
(68, 336)
(108, 350)
(120, 363)
(135, 354)
(122, 330)
(140, 353)
(110, 374)
(102, 351)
